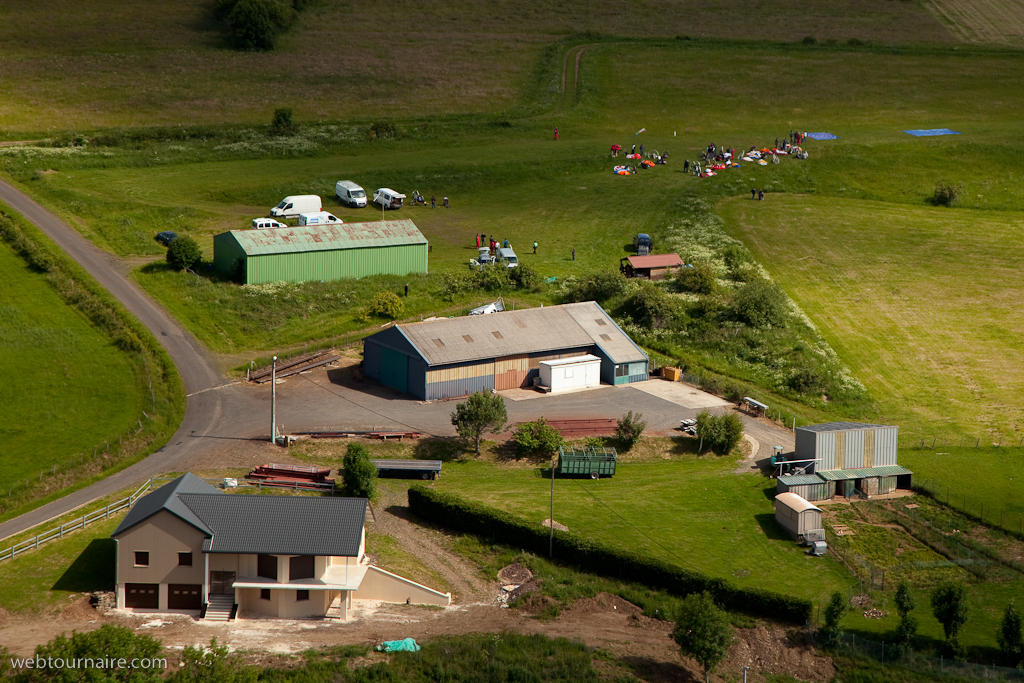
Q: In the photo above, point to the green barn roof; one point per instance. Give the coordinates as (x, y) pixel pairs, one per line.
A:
(328, 237)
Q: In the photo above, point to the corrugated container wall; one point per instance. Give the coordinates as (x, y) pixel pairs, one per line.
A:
(337, 264)
(226, 252)
(886, 444)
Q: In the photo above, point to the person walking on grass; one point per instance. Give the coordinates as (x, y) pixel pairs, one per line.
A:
(407, 290)
(433, 202)
(478, 241)
(556, 133)
(574, 253)
(760, 195)
(446, 204)
(535, 246)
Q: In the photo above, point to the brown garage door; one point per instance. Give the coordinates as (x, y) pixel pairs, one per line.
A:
(142, 595)
(184, 596)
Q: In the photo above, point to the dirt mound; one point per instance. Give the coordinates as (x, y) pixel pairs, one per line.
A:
(79, 610)
(523, 590)
(640, 621)
(769, 651)
(605, 602)
(558, 525)
(514, 574)
(861, 600)
(536, 603)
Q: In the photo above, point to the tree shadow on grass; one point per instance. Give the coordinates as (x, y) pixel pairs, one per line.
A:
(771, 528)
(93, 570)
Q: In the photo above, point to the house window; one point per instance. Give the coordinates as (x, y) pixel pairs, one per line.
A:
(266, 567)
(301, 595)
(184, 559)
(264, 594)
(301, 567)
(141, 558)
(622, 370)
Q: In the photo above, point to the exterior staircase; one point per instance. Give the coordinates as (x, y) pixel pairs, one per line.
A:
(220, 607)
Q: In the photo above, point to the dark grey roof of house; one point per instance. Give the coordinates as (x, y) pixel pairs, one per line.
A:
(166, 498)
(269, 525)
(841, 427)
(281, 525)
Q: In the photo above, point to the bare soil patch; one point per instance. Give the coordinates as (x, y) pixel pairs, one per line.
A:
(982, 21)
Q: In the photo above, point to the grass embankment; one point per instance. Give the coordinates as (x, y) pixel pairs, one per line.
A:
(88, 389)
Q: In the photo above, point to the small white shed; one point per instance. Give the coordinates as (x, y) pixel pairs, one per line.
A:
(796, 515)
(565, 374)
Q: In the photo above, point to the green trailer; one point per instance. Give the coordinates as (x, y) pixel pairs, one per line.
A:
(586, 462)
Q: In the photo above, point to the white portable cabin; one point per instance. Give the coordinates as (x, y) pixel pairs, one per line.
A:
(565, 374)
(796, 515)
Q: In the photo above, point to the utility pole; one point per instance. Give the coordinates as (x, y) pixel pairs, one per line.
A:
(551, 512)
(273, 401)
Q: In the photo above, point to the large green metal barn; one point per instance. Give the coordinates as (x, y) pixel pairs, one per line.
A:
(321, 252)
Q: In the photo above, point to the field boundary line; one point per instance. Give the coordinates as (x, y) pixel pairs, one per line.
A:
(80, 523)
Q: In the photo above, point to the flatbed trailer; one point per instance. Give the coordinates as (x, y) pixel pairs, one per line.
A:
(408, 469)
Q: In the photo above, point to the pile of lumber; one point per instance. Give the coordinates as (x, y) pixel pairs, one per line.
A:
(292, 476)
(574, 429)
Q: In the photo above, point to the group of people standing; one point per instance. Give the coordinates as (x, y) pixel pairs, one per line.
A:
(481, 241)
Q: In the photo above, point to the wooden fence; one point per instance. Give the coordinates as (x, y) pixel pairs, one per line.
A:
(80, 523)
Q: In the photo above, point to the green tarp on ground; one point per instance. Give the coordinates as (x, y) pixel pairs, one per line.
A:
(407, 645)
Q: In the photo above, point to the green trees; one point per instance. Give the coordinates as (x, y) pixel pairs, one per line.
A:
(760, 303)
(949, 605)
(184, 253)
(282, 123)
(701, 278)
(386, 305)
(598, 286)
(360, 477)
(721, 433)
(905, 604)
(702, 631)
(536, 439)
(1010, 637)
(482, 412)
(213, 664)
(255, 24)
(650, 305)
(835, 610)
(109, 642)
(630, 428)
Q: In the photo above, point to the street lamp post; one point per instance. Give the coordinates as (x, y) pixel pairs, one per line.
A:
(273, 401)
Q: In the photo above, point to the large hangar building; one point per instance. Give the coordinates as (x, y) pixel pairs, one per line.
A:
(451, 357)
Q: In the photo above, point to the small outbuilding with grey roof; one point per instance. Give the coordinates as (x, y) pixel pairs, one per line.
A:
(321, 252)
(797, 516)
(189, 547)
(451, 357)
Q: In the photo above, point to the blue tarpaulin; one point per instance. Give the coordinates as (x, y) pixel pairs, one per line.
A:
(407, 645)
(822, 136)
(931, 131)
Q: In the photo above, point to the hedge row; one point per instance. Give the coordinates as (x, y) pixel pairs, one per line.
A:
(496, 525)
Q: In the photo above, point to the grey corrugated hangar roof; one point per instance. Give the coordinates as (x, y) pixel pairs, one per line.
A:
(841, 427)
(255, 524)
(527, 330)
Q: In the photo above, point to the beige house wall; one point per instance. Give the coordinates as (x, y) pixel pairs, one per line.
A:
(283, 603)
(163, 536)
(382, 585)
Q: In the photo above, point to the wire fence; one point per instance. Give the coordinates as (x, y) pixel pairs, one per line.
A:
(80, 523)
(895, 656)
(16, 490)
(976, 508)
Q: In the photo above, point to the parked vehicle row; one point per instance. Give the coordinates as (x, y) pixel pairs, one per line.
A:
(309, 208)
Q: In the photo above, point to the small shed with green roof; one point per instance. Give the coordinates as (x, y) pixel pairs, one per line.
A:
(321, 252)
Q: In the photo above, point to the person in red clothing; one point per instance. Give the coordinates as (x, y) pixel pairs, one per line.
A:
(478, 241)
(556, 132)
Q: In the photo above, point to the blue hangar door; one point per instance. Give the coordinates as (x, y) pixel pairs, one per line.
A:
(394, 369)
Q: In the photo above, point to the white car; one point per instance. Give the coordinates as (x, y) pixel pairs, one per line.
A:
(266, 223)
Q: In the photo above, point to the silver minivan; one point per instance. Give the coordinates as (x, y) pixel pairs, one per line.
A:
(350, 194)
(507, 257)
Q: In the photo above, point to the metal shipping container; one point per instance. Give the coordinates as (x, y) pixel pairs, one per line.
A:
(846, 445)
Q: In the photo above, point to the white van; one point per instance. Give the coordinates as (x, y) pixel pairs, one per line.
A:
(507, 257)
(266, 223)
(293, 205)
(351, 194)
(388, 198)
(318, 218)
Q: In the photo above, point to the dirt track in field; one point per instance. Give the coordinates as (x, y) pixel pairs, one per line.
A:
(982, 21)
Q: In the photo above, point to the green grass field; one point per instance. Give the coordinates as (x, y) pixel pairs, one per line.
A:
(67, 387)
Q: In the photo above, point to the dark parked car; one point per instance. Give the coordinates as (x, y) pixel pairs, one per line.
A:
(165, 238)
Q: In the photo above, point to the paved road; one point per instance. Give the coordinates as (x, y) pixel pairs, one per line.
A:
(193, 362)
(222, 416)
